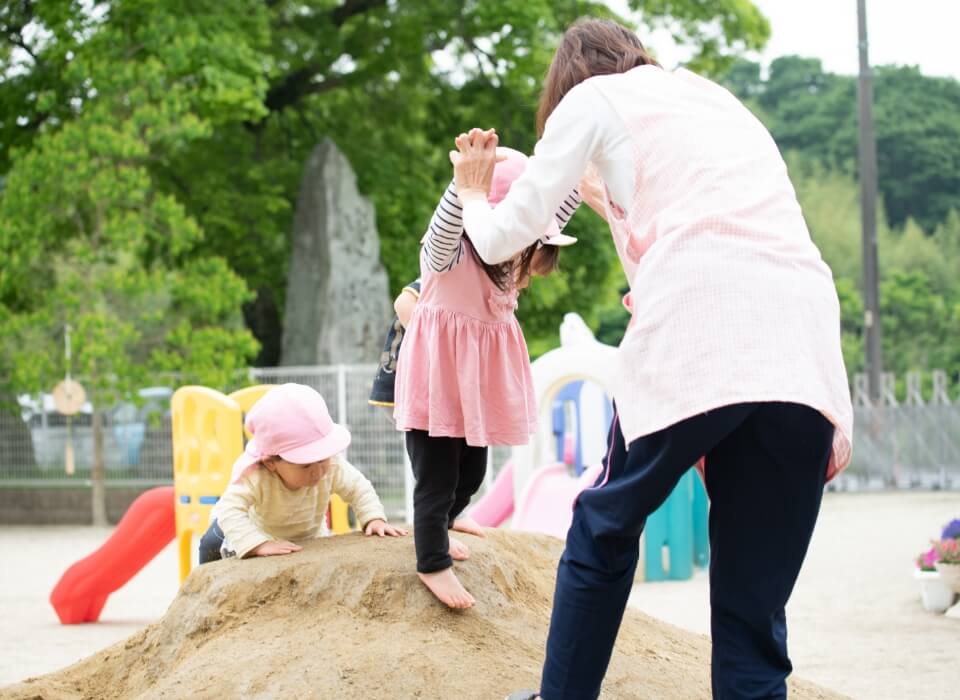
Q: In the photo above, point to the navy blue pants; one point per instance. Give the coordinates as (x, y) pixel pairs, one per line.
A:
(766, 468)
(210, 544)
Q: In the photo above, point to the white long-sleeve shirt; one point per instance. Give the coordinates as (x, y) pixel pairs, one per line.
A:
(582, 129)
(443, 243)
(732, 302)
(259, 507)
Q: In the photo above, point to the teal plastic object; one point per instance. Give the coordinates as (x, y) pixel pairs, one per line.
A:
(675, 535)
(701, 527)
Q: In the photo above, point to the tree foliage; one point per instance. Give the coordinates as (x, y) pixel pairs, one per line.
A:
(152, 153)
(92, 236)
(917, 125)
(919, 285)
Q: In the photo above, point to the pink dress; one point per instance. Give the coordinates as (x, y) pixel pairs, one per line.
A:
(464, 369)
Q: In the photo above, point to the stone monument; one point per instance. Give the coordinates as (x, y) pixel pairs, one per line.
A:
(338, 305)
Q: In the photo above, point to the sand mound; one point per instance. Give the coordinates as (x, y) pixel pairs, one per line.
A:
(347, 618)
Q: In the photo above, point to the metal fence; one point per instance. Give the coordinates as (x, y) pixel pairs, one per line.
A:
(137, 441)
(904, 447)
(910, 439)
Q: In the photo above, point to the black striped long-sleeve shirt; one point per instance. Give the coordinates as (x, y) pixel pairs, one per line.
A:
(443, 243)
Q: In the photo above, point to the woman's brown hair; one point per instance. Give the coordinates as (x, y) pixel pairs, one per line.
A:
(589, 47)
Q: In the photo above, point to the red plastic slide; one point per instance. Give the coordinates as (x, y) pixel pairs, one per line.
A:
(145, 529)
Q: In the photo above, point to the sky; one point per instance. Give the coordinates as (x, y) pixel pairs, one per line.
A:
(905, 32)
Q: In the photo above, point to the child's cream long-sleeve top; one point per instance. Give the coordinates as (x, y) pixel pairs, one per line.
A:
(259, 508)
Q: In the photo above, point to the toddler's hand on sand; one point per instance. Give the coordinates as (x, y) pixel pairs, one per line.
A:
(271, 548)
(383, 529)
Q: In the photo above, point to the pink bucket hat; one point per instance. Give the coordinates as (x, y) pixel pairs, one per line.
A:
(291, 421)
(504, 174)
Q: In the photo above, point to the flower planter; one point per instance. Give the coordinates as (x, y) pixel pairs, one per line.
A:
(935, 593)
(949, 574)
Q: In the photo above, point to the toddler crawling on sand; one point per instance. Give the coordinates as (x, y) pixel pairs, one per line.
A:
(281, 485)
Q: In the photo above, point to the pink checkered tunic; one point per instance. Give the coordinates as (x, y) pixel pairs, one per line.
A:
(731, 299)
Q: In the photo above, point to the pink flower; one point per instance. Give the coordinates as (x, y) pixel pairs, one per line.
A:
(948, 551)
(927, 560)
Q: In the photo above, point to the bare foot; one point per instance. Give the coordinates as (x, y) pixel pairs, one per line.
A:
(447, 587)
(469, 526)
(458, 550)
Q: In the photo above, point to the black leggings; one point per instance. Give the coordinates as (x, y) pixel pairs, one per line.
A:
(448, 472)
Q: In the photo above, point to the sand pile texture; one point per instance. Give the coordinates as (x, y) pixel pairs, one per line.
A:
(348, 618)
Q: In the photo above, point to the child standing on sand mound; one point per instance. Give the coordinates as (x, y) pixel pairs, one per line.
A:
(463, 374)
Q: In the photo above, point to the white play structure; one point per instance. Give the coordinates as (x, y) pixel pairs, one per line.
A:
(532, 486)
(536, 491)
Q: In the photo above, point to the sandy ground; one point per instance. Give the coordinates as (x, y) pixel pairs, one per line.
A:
(347, 618)
(856, 621)
(32, 640)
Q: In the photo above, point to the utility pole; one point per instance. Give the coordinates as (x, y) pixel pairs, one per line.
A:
(868, 213)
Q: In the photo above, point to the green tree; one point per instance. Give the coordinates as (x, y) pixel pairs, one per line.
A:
(720, 29)
(919, 290)
(917, 125)
(94, 241)
(219, 105)
(915, 323)
(851, 325)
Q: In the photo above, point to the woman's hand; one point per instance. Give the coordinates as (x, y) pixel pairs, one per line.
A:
(473, 161)
(272, 548)
(383, 529)
(593, 192)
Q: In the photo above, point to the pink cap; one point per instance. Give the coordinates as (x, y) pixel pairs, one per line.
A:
(504, 174)
(291, 421)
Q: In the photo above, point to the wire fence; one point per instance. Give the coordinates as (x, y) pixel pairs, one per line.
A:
(909, 439)
(137, 442)
(908, 436)
(905, 447)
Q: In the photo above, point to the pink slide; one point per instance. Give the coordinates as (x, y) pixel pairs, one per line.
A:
(145, 529)
(547, 503)
(497, 503)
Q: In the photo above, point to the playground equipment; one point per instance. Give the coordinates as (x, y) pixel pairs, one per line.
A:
(541, 498)
(145, 529)
(496, 505)
(208, 436)
(248, 396)
(547, 503)
(579, 358)
(582, 414)
(675, 535)
(207, 439)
